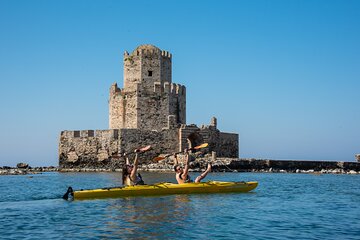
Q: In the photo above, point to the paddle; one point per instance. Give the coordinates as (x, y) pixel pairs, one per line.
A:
(159, 158)
(144, 149)
(204, 145)
(140, 150)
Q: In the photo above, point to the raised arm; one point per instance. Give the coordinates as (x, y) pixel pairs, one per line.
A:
(176, 160)
(127, 162)
(186, 167)
(134, 170)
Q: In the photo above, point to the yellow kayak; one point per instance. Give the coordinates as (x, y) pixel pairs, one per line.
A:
(163, 189)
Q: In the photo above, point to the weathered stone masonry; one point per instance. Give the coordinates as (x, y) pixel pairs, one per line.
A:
(148, 110)
(148, 96)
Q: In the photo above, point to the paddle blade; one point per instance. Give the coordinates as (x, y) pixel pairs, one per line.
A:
(68, 192)
(204, 145)
(156, 159)
(144, 149)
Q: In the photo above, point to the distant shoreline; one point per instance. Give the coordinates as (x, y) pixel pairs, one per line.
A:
(219, 165)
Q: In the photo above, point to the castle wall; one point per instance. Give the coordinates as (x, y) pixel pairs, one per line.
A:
(132, 71)
(103, 148)
(228, 145)
(224, 144)
(150, 69)
(177, 102)
(116, 108)
(166, 74)
(123, 108)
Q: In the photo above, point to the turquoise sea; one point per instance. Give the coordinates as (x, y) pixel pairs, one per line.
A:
(284, 206)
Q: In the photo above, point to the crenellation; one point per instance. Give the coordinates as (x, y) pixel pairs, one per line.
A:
(167, 87)
(183, 90)
(158, 88)
(172, 123)
(91, 133)
(77, 134)
(178, 89)
(84, 133)
(213, 122)
(173, 88)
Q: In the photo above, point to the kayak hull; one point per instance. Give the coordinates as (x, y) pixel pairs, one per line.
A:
(165, 189)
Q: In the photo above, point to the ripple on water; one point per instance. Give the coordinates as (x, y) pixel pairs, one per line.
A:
(284, 206)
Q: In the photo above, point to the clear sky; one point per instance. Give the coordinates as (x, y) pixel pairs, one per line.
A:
(285, 75)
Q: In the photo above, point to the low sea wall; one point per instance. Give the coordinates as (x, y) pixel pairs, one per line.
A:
(218, 165)
(294, 166)
(263, 165)
(27, 170)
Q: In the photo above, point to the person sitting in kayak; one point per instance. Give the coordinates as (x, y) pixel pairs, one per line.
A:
(130, 175)
(182, 175)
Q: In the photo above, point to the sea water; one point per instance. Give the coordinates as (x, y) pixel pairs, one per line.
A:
(284, 206)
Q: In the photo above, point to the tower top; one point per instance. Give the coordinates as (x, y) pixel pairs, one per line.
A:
(147, 47)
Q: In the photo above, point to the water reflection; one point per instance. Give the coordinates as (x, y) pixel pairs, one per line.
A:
(148, 216)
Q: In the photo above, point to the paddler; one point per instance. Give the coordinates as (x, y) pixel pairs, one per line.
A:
(130, 175)
(182, 174)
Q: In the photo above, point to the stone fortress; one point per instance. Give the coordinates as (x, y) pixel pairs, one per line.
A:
(149, 110)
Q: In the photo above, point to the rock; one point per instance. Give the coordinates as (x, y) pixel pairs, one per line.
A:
(352, 172)
(22, 165)
(336, 171)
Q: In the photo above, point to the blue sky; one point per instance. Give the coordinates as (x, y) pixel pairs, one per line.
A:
(285, 75)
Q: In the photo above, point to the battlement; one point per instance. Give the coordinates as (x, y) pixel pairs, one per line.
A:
(84, 133)
(178, 89)
(115, 90)
(166, 54)
(145, 50)
(88, 134)
(170, 88)
(148, 51)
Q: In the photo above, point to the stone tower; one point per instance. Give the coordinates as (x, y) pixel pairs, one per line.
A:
(149, 100)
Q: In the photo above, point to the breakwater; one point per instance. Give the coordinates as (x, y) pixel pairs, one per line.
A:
(5, 170)
(265, 165)
(218, 165)
(292, 166)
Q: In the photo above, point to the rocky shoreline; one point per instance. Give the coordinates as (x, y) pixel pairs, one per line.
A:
(24, 171)
(218, 165)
